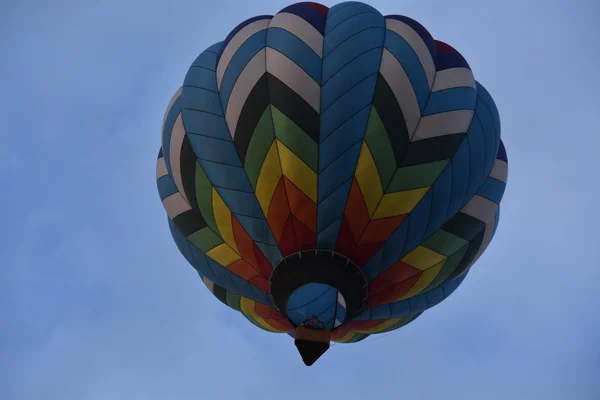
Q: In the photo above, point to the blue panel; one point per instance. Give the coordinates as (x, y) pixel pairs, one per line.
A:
(350, 49)
(206, 59)
(399, 309)
(201, 265)
(418, 303)
(201, 100)
(420, 29)
(206, 124)
(418, 223)
(502, 153)
(351, 27)
(239, 28)
(441, 193)
(307, 13)
(166, 187)
(259, 231)
(393, 248)
(381, 312)
(341, 140)
(460, 98)
(272, 252)
(461, 166)
(349, 104)
(215, 48)
(216, 150)
(434, 297)
(477, 153)
(296, 50)
(340, 312)
(182, 244)
(333, 206)
(407, 57)
(226, 176)
(339, 171)
(492, 189)
(202, 78)
(168, 131)
(487, 99)
(496, 221)
(349, 75)
(372, 269)
(342, 12)
(242, 203)
(491, 139)
(327, 237)
(239, 61)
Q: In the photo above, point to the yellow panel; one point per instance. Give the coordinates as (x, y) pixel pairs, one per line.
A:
(223, 220)
(399, 203)
(247, 307)
(423, 258)
(298, 172)
(270, 174)
(424, 280)
(368, 179)
(383, 326)
(223, 254)
(345, 338)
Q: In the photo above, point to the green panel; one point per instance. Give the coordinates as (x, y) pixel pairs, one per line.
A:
(204, 197)
(416, 176)
(295, 139)
(233, 300)
(445, 243)
(448, 268)
(381, 148)
(404, 321)
(205, 239)
(259, 146)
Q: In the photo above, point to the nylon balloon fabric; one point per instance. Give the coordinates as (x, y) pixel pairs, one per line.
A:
(332, 163)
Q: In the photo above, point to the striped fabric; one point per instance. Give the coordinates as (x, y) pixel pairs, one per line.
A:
(335, 129)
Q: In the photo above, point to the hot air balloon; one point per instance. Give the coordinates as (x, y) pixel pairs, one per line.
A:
(331, 173)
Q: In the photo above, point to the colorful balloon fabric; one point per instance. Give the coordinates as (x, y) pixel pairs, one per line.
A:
(331, 163)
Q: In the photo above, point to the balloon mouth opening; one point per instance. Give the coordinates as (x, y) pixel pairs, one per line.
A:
(321, 285)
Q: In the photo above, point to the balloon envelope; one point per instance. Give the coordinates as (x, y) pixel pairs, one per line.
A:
(331, 165)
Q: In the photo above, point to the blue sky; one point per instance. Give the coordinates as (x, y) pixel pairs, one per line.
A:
(97, 303)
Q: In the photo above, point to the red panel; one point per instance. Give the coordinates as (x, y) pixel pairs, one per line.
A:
(319, 7)
(362, 254)
(264, 265)
(279, 211)
(345, 243)
(307, 240)
(390, 294)
(244, 270)
(244, 243)
(399, 272)
(273, 317)
(356, 211)
(380, 230)
(288, 244)
(301, 206)
(261, 283)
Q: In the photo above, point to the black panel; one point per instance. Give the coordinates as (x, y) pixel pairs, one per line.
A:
(252, 110)
(464, 226)
(189, 222)
(187, 164)
(220, 293)
(310, 351)
(295, 107)
(474, 246)
(432, 149)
